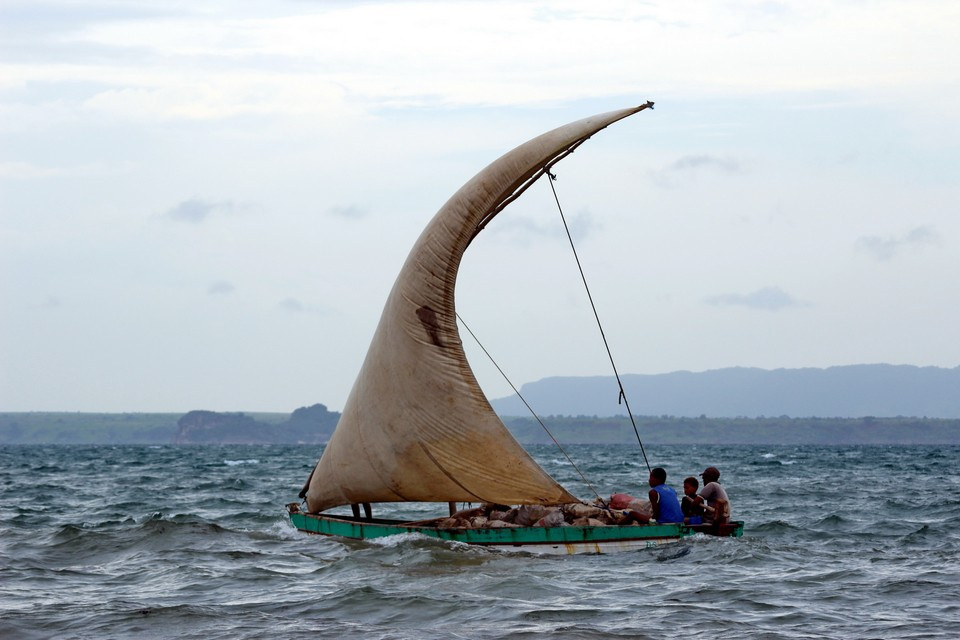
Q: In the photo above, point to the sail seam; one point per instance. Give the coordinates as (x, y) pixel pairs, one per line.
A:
(446, 473)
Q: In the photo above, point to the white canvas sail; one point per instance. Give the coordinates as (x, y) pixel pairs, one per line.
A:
(416, 426)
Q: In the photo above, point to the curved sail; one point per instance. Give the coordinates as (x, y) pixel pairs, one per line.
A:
(416, 426)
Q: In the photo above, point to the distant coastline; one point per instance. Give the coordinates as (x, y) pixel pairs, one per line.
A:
(313, 425)
(306, 425)
(852, 391)
(877, 404)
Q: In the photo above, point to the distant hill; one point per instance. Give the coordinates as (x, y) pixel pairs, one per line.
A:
(766, 431)
(878, 390)
(861, 404)
(306, 425)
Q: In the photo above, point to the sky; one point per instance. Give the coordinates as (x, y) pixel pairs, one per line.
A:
(203, 205)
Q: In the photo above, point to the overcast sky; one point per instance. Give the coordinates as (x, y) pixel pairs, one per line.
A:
(203, 205)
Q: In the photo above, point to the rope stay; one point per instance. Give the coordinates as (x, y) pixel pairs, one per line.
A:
(623, 396)
(529, 408)
(527, 182)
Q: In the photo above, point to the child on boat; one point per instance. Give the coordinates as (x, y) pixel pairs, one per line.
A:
(691, 505)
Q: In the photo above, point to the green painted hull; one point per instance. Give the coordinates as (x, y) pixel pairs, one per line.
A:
(562, 540)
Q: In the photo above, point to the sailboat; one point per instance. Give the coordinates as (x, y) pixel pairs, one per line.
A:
(417, 427)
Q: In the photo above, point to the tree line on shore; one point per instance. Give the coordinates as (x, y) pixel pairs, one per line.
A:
(313, 425)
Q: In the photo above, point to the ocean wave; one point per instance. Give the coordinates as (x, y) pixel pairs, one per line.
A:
(235, 463)
(135, 542)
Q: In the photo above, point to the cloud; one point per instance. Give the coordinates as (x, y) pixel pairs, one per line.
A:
(687, 163)
(417, 56)
(220, 96)
(26, 171)
(295, 305)
(196, 210)
(292, 304)
(350, 211)
(768, 298)
(886, 248)
(582, 224)
(522, 229)
(220, 287)
(51, 302)
(243, 60)
(17, 170)
(690, 166)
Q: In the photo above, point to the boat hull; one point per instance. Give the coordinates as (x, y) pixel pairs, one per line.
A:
(551, 540)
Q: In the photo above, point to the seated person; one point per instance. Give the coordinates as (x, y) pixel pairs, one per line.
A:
(691, 505)
(664, 505)
(716, 502)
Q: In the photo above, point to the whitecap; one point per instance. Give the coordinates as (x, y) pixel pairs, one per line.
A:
(399, 539)
(283, 530)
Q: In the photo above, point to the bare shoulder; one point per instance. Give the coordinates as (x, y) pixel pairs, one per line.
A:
(710, 490)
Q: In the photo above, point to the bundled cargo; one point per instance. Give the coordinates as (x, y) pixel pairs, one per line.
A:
(580, 514)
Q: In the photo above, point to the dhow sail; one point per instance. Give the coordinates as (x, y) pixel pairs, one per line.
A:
(416, 425)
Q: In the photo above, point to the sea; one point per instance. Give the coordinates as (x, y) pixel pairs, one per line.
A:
(194, 542)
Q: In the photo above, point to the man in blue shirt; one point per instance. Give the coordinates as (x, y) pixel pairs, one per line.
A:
(664, 504)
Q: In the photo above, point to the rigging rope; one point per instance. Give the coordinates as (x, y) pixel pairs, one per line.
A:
(529, 408)
(623, 396)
